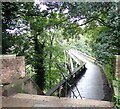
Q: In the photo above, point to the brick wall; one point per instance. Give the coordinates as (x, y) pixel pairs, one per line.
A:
(12, 68)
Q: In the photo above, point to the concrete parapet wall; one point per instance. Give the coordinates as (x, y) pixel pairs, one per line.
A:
(12, 68)
(22, 85)
(117, 68)
(29, 100)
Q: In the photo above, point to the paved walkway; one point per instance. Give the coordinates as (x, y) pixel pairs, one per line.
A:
(93, 84)
(29, 100)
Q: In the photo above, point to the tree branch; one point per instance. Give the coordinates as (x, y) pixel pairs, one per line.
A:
(103, 22)
(87, 22)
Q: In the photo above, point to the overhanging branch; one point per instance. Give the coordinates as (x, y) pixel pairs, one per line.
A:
(103, 22)
(87, 22)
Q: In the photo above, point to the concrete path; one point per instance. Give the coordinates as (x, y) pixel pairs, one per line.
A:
(93, 84)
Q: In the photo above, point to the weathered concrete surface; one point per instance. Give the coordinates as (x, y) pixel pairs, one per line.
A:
(117, 68)
(29, 100)
(22, 85)
(12, 68)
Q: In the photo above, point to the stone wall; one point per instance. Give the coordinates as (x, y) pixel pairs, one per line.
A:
(22, 85)
(12, 68)
(13, 77)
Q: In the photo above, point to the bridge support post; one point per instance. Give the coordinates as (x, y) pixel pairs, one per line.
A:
(65, 89)
(71, 64)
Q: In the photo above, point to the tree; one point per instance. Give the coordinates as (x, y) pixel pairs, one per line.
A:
(8, 14)
(40, 33)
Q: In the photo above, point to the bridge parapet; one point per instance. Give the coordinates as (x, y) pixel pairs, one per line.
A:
(29, 100)
(117, 68)
(12, 67)
(116, 82)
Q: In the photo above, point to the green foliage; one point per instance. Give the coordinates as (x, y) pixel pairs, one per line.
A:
(43, 35)
(30, 70)
(116, 86)
(108, 73)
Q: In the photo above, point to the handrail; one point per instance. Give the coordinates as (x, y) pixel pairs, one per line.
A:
(51, 91)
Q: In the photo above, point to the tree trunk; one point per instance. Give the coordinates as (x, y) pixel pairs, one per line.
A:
(39, 62)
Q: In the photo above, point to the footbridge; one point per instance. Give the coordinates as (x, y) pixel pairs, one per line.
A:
(69, 92)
